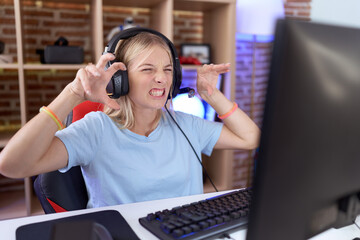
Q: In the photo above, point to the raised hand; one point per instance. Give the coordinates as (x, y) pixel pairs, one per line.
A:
(207, 77)
(90, 82)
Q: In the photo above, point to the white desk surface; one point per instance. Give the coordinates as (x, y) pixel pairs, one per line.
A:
(132, 213)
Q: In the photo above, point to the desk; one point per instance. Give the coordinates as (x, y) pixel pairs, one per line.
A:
(132, 212)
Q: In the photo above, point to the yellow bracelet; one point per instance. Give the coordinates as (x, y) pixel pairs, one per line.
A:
(232, 110)
(53, 116)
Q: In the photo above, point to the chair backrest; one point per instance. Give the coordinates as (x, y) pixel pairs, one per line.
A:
(60, 192)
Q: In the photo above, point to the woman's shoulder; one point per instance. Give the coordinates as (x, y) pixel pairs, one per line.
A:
(96, 117)
(183, 118)
(184, 115)
(189, 119)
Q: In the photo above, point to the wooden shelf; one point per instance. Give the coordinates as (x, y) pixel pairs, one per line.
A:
(200, 5)
(9, 66)
(53, 66)
(134, 3)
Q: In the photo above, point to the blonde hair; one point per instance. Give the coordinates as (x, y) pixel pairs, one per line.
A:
(126, 51)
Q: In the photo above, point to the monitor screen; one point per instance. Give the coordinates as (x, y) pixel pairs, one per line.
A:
(307, 177)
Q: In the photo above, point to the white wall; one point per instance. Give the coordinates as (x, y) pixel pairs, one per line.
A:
(337, 12)
(258, 16)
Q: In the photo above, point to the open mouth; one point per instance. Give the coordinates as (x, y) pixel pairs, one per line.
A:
(157, 92)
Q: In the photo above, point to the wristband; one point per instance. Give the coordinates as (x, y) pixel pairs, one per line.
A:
(232, 110)
(53, 116)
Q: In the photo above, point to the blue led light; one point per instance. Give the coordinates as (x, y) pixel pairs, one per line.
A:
(194, 105)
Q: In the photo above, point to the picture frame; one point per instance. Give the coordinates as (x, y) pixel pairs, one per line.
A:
(201, 52)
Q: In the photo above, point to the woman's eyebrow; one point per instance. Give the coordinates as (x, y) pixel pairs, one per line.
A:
(146, 65)
(151, 65)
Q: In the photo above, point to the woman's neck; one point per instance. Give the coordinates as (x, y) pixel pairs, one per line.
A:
(145, 122)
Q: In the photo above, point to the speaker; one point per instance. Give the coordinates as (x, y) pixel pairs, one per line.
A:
(119, 84)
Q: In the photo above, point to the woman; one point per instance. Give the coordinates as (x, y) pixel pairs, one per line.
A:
(132, 151)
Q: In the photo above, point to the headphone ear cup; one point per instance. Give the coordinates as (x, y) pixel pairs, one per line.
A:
(177, 79)
(119, 83)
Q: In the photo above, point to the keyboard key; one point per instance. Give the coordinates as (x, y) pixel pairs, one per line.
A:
(167, 227)
(178, 233)
(186, 230)
(176, 223)
(194, 227)
(203, 225)
(211, 222)
(235, 215)
(219, 220)
(226, 218)
(150, 216)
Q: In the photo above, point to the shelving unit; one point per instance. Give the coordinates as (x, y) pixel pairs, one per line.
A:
(218, 30)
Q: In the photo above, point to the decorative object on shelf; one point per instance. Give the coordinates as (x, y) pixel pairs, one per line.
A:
(61, 53)
(2, 47)
(195, 53)
(189, 60)
(128, 23)
(4, 58)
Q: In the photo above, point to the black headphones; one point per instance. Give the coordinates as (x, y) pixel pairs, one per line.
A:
(119, 83)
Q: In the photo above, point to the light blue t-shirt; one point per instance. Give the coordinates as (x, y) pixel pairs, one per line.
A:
(120, 166)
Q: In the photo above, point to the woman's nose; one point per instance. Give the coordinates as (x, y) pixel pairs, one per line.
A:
(161, 77)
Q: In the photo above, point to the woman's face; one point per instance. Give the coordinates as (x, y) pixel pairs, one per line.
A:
(150, 78)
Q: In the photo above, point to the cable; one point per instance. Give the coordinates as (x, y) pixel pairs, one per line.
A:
(226, 235)
(197, 156)
(356, 224)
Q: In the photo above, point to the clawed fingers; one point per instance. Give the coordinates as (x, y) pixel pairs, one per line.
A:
(94, 78)
(82, 76)
(91, 68)
(115, 67)
(218, 68)
(104, 59)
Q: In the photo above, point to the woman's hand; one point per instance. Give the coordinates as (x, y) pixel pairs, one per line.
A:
(90, 82)
(207, 77)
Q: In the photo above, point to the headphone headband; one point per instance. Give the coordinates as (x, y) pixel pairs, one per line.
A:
(130, 32)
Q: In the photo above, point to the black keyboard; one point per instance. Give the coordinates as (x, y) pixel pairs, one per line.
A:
(201, 220)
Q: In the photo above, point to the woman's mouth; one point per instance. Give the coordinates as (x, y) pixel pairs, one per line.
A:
(157, 92)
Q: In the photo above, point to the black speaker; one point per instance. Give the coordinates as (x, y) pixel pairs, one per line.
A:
(119, 83)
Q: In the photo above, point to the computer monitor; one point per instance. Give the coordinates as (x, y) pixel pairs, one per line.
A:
(307, 178)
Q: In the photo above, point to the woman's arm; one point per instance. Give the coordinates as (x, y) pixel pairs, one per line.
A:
(239, 131)
(34, 148)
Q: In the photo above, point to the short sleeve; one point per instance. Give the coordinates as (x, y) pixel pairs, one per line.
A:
(82, 139)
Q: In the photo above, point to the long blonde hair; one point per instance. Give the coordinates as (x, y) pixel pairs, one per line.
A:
(126, 51)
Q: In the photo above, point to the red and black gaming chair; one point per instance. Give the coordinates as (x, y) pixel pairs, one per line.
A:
(61, 192)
